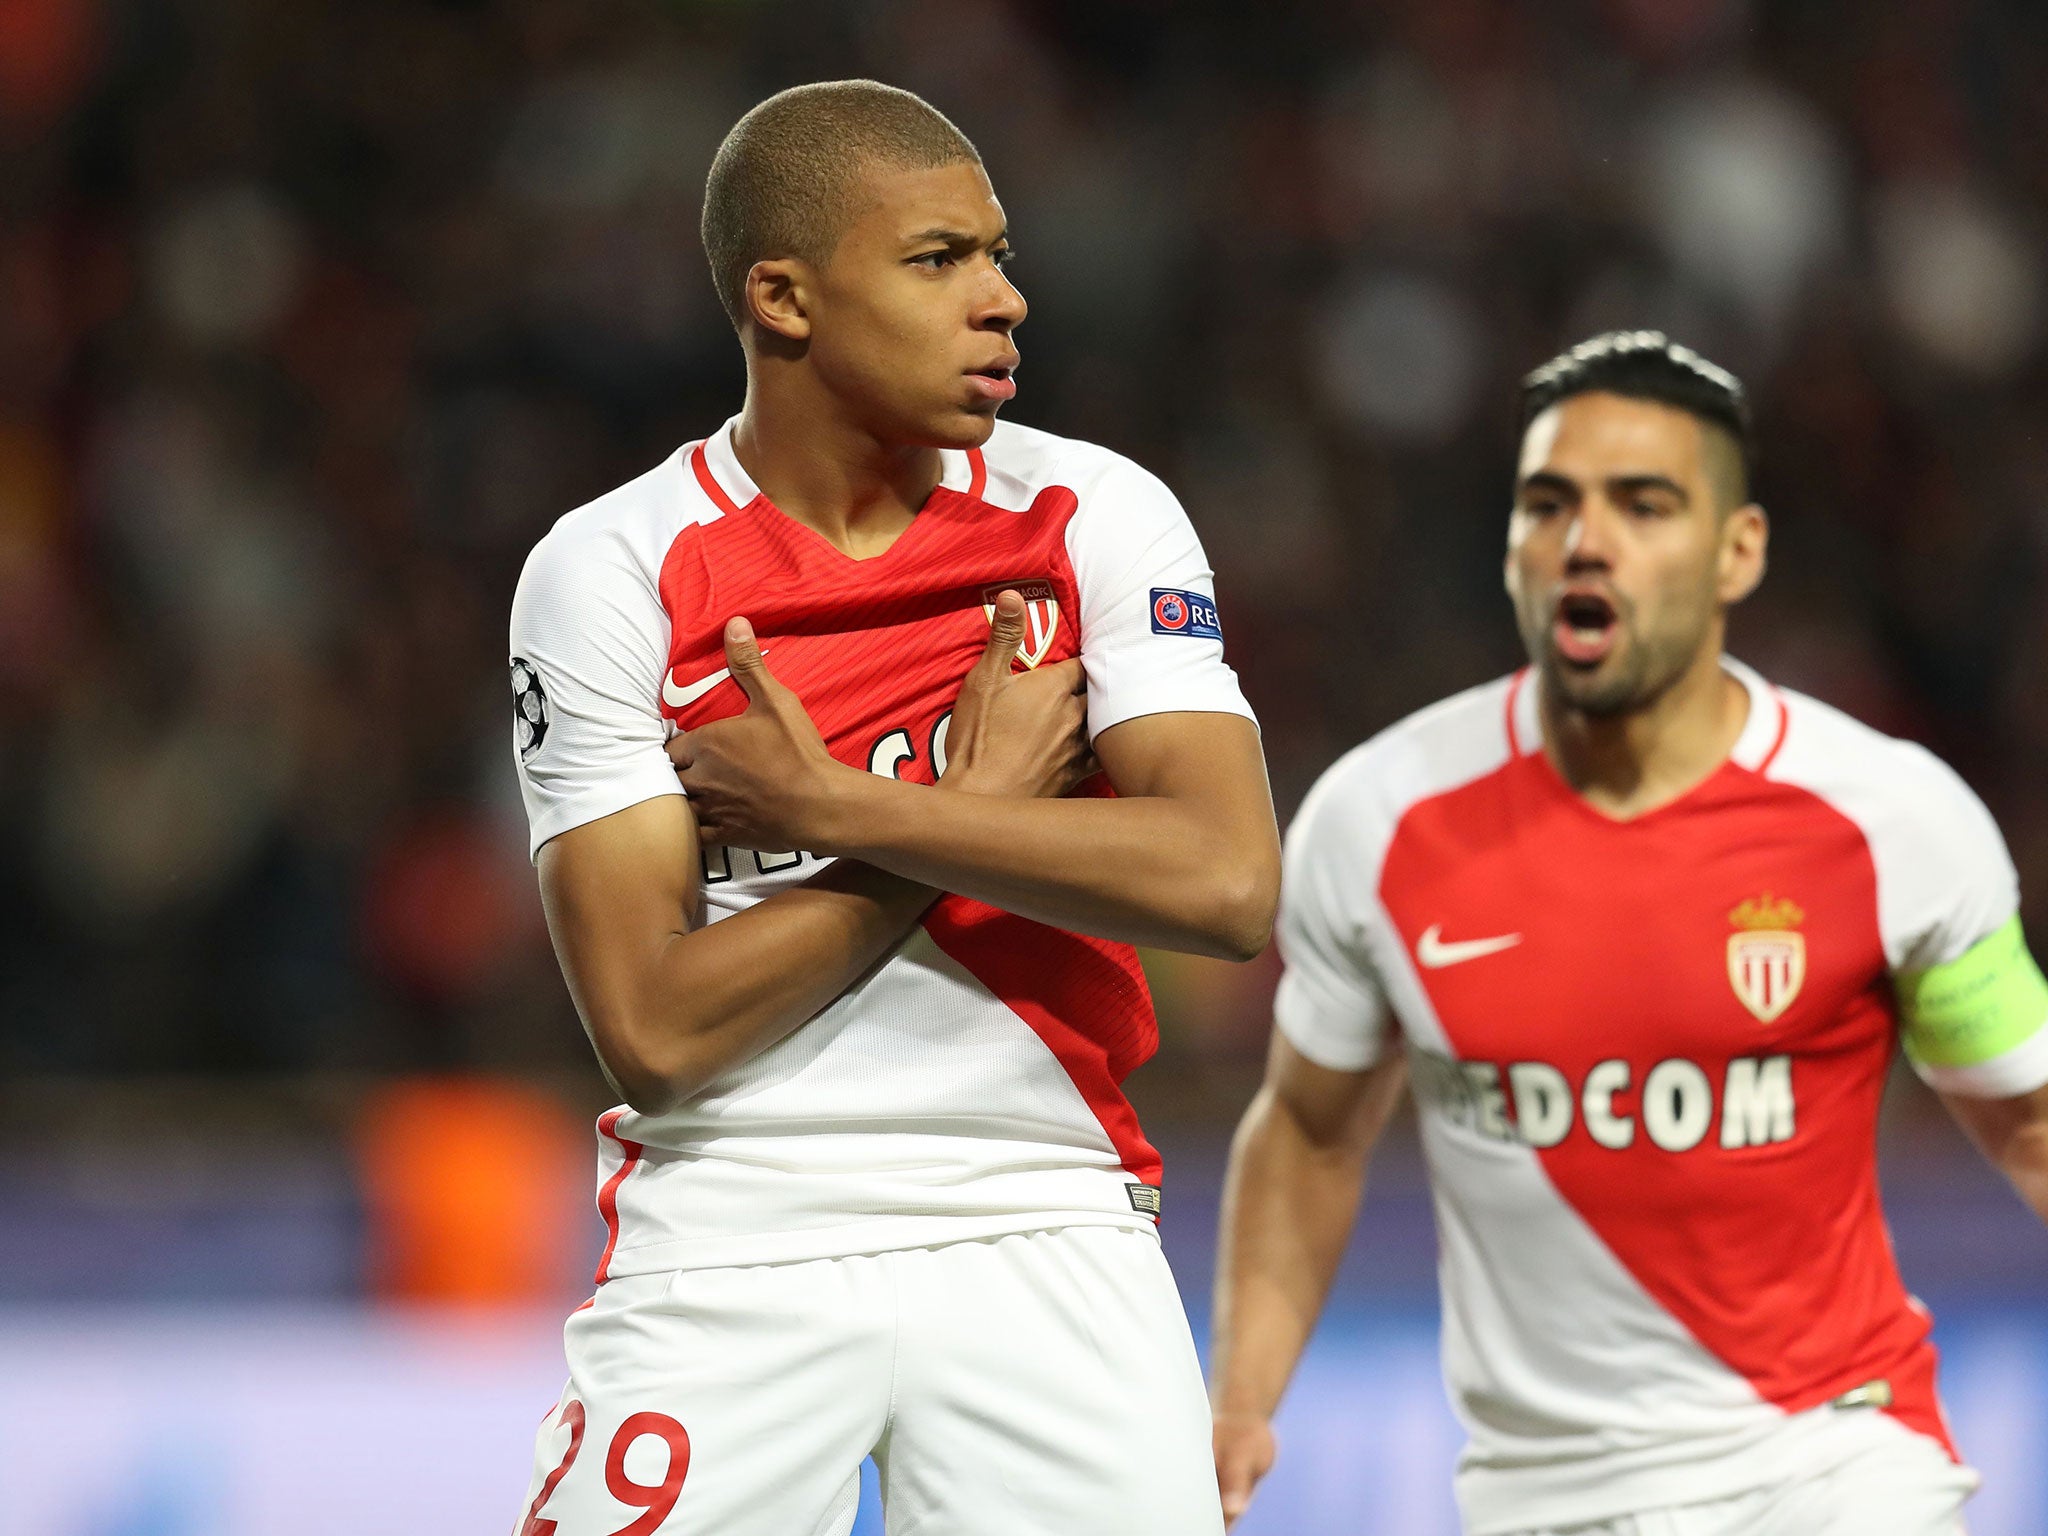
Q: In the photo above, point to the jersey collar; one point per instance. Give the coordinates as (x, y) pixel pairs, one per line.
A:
(718, 471)
(1762, 733)
(720, 477)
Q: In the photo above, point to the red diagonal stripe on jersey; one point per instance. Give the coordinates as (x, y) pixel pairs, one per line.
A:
(1774, 1257)
(1085, 998)
(608, 1197)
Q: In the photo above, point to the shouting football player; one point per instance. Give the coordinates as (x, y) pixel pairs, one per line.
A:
(1642, 931)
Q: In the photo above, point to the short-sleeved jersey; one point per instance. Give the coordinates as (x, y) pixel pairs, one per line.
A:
(1647, 1057)
(969, 1083)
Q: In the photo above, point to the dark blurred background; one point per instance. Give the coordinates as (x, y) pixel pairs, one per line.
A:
(314, 317)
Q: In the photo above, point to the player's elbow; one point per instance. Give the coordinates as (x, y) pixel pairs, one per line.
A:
(1246, 897)
(646, 1086)
(650, 1095)
(652, 1071)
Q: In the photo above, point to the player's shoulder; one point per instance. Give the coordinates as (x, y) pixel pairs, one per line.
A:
(1023, 462)
(1897, 791)
(610, 550)
(1864, 771)
(640, 517)
(1440, 748)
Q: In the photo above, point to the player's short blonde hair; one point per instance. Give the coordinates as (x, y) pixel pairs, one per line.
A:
(786, 179)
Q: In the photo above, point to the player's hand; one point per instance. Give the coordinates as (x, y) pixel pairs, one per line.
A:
(1244, 1447)
(761, 778)
(1023, 736)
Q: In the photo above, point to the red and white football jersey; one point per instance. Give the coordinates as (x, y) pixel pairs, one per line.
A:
(968, 1085)
(1647, 1059)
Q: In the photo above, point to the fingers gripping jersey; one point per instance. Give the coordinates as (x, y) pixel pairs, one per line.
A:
(1648, 1057)
(968, 1084)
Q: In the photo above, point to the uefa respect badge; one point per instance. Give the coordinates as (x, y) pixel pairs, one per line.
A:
(1175, 612)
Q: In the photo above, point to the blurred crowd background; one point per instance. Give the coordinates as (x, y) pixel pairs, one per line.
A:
(314, 317)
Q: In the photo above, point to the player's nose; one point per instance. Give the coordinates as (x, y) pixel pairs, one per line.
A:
(1589, 539)
(998, 304)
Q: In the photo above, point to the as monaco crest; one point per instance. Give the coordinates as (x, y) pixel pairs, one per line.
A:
(1767, 958)
(1041, 615)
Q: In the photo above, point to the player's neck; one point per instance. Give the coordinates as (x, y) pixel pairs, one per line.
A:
(1630, 764)
(853, 491)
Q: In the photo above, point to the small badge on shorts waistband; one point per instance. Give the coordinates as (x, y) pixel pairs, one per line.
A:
(1872, 1394)
(1144, 1199)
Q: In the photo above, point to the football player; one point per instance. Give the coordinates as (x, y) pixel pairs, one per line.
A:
(1643, 932)
(868, 990)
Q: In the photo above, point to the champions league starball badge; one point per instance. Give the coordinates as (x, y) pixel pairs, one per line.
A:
(529, 708)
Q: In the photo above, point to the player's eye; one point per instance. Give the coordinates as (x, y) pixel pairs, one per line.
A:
(933, 261)
(1002, 255)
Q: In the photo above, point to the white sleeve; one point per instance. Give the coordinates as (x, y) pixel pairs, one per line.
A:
(1330, 1005)
(1150, 640)
(1951, 883)
(589, 645)
(1973, 1009)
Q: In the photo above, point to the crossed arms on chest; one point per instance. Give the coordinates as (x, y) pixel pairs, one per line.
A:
(1186, 858)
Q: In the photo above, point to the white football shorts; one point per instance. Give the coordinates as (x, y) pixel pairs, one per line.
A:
(1897, 1483)
(1039, 1382)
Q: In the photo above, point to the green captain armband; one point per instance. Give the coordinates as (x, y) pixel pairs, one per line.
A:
(1987, 1002)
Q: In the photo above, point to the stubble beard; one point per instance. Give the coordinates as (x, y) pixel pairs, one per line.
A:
(1637, 672)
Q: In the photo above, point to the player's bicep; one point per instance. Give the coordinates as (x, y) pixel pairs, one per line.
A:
(617, 891)
(2012, 1132)
(1334, 1107)
(1211, 758)
(1211, 763)
(1995, 1124)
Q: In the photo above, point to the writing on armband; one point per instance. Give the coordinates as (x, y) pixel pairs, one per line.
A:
(1976, 1007)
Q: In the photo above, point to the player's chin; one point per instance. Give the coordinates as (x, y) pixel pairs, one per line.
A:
(1600, 688)
(966, 425)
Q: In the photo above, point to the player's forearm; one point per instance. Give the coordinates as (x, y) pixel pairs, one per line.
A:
(1142, 870)
(708, 999)
(2019, 1146)
(1288, 1208)
(2013, 1134)
(2026, 1165)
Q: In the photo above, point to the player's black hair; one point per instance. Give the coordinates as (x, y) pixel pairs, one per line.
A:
(1647, 365)
(784, 181)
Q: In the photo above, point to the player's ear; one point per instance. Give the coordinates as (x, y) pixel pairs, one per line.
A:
(1745, 550)
(777, 298)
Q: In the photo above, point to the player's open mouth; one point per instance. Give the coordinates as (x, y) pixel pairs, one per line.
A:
(995, 383)
(1586, 628)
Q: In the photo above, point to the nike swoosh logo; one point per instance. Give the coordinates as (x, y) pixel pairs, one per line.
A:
(690, 693)
(1435, 954)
